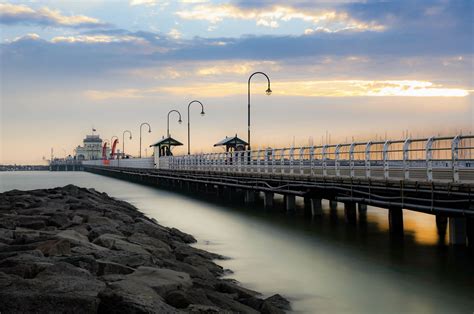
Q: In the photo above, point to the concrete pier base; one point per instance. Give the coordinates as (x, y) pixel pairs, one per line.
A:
(333, 205)
(290, 203)
(362, 208)
(470, 231)
(268, 200)
(395, 221)
(350, 212)
(441, 226)
(316, 207)
(457, 230)
(249, 197)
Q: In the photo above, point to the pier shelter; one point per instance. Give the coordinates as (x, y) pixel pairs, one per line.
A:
(232, 144)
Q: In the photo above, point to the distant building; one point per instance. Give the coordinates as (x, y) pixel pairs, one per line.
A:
(91, 149)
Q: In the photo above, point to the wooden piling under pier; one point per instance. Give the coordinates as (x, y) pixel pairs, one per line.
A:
(443, 199)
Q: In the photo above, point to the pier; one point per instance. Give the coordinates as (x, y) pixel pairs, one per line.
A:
(431, 175)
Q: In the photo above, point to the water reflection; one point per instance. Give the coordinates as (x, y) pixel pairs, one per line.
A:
(323, 265)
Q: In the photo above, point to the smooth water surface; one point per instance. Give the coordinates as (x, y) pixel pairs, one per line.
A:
(323, 266)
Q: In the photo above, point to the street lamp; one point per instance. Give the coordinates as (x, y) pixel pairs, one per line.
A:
(268, 92)
(189, 123)
(168, 121)
(149, 131)
(123, 141)
(111, 144)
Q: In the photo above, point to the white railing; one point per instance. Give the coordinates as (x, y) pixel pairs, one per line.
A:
(146, 163)
(423, 159)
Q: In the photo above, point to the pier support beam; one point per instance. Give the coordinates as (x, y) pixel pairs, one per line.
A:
(362, 208)
(249, 197)
(457, 230)
(395, 220)
(333, 205)
(290, 203)
(316, 207)
(268, 200)
(470, 231)
(441, 226)
(350, 212)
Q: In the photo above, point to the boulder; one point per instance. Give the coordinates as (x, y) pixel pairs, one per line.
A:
(77, 239)
(126, 296)
(55, 247)
(59, 220)
(59, 288)
(226, 301)
(177, 299)
(119, 243)
(161, 280)
(97, 231)
(110, 268)
(275, 304)
(77, 220)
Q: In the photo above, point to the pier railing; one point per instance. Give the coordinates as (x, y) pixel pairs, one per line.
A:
(423, 159)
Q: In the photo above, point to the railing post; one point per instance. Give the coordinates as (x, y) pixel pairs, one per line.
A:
(429, 158)
(258, 160)
(406, 158)
(336, 163)
(301, 160)
(311, 160)
(367, 159)
(237, 161)
(386, 146)
(351, 160)
(292, 157)
(455, 157)
(324, 157)
(273, 160)
(265, 158)
(282, 161)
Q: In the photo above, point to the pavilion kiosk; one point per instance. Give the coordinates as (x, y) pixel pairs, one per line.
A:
(163, 148)
(232, 144)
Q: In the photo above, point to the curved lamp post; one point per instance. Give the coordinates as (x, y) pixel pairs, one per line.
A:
(189, 123)
(168, 121)
(268, 91)
(123, 141)
(112, 143)
(149, 131)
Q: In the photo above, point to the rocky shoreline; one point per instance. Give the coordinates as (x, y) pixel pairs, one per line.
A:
(76, 250)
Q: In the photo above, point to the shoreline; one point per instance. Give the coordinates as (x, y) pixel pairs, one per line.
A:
(72, 249)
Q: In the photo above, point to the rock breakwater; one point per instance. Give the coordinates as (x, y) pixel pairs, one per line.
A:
(76, 250)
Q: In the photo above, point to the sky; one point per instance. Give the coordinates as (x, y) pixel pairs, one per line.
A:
(356, 70)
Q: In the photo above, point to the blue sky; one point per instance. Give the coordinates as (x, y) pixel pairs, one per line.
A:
(353, 68)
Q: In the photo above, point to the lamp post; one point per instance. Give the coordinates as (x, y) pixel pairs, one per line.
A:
(123, 141)
(268, 91)
(149, 131)
(189, 123)
(168, 121)
(111, 144)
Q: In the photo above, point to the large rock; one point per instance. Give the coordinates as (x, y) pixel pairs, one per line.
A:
(77, 239)
(119, 243)
(59, 288)
(132, 297)
(161, 280)
(55, 247)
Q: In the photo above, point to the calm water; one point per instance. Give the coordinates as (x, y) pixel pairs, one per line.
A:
(322, 267)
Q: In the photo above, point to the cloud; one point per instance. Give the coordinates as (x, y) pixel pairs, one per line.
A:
(98, 39)
(239, 68)
(174, 33)
(272, 16)
(11, 14)
(331, 88)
